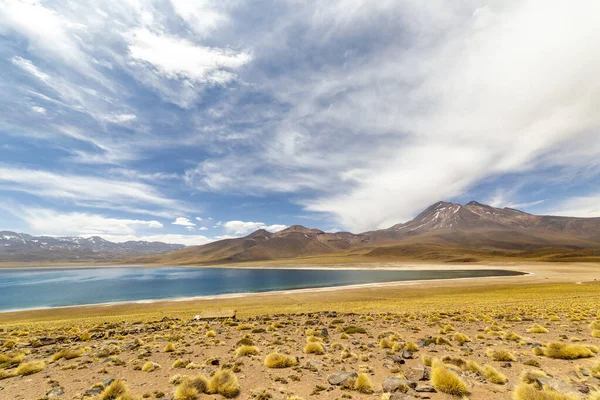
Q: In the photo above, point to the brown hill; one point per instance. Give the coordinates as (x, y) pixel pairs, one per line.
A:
(443, 231)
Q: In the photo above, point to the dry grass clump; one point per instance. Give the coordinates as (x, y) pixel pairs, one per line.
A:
(278, 360)
(11, 358)
(537, 329)
(363, 384)
(30, 368)
(191, 388)
(150, 366)
(244, 327)
(67, 354)
(567, 351)
(314, 348)
(6, 374)
(179, 363)
(530, 392)
(447, 381)
(491, 374)
(211, 333)
(595, 333)
(460, 338)
(186, 392)
(596, 371)
(169, 348)
(442, 341)
(225, 383)
(530, 377)
(411, 346)
(246, 350)
(116, 390)
(500, 355)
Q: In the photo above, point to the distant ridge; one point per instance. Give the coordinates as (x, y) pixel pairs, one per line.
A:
(21, 247)
(443, 231)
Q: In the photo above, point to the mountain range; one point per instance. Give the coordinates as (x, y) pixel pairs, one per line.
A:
(442, 232)
(21, 247)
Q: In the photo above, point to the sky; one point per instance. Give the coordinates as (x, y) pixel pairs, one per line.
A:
(192, 121)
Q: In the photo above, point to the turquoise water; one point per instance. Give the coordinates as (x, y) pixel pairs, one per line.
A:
(26, 288)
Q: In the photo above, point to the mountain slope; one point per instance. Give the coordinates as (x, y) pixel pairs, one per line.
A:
(441, 230)
(20, 247)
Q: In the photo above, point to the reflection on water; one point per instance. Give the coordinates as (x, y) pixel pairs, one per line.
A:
(24, 288)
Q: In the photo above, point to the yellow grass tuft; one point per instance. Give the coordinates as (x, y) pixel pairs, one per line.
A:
(500, 355)
(491, 374)
(211, 333)
(278, 360)
(169, 348)
(460, 338)
(191, 388)
(244, 327)
(363, 384)
(150, 366)
(225, 383)
(537, 329)
(247, 351)
(185, 391)
(530, 377)
(67, 354)
(447, 381)
(179, 363)
(314, 348)
(530, 392)
(117, 389)
(11, 358)
(30, 368)
(567, 351)
(411, 346)
(6, 374)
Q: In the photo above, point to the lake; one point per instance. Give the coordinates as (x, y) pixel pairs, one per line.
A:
(27, 288)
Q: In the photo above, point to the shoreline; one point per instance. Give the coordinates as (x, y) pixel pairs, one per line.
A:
(271, 292)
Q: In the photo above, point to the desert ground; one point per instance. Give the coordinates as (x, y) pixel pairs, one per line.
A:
(526, 337)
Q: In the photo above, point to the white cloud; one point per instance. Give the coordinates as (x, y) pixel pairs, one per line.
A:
(203, 16)
(240, 228)
(48, 33)
(472, 90)
(39, 110)
(177, 58)
(54, 223)
(91, 191)
(183, 221)
(202, 228)
(121, 118)
(579, 206)
(188, 240)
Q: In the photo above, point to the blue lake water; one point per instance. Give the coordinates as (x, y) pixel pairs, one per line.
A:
(26, 288)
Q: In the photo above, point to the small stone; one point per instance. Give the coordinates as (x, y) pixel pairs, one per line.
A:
(396, 359)
(506, 365)
(402, 396)
(93, 391)
(107, 381)
(393, 384)
(324, 332)
(408, 355)
(417, 374)
(424, 388)
(55, 392)
(556, 385)
(340, 378)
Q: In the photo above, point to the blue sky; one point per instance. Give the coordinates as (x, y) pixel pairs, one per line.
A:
(190, 121)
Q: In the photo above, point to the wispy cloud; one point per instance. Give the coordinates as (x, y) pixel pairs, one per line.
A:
(85, 190)
(240, 228)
